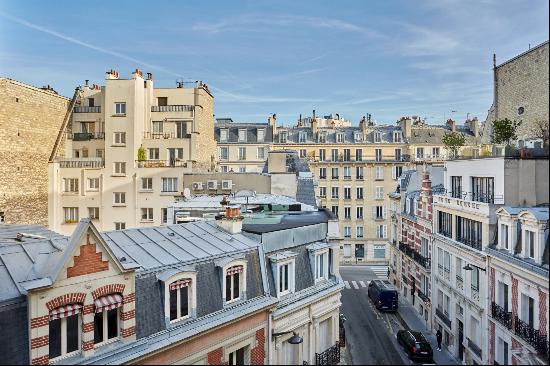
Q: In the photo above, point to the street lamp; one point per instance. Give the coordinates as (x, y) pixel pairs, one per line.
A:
(295, 339)
(469, 267)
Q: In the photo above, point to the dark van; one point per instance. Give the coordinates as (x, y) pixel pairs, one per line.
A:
(383, 294)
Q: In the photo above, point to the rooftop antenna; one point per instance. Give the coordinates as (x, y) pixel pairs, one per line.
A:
(179, 83)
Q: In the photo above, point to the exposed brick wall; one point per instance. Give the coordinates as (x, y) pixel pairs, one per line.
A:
(515, 345)
(127, 315)
(88, 346)
(257, 354)
(129, 298)
(44, 360)
(30, 120)
(74, 298)
(39, 322)
(108, 289)
(88, 327)
(215, 357)
(543, 311)
(128, 332)
(89, 261)
(514, 301)
(39, 342)
(492, 284)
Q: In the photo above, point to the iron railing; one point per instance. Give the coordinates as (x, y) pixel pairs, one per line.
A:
(441, 315)
(330, 356)
(93, 163)
(532, 336)
(165, 135)
(172, 108)
(459, 282)
(422, 296)
(476, 244)
(86, 136)
(475, 292)
(501, 315)
(474, 347)
(84, 109)
(473, 196)
(423, 261)
(161, 164)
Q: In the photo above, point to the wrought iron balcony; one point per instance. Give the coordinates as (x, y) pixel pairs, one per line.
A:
(475, 292)
(423, 261)
(422, 296)
(330, 356)
(86, 136)
(172, 108)
(532, 336)
(474, 347)
(92, 163)
(84, 109)
(441, 315)
(161, 164)
(501, 315)
(476, 244)
(165, 135)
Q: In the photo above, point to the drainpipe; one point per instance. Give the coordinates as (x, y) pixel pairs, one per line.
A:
(269, 338)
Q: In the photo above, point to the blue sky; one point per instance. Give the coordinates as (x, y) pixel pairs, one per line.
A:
(387, 58)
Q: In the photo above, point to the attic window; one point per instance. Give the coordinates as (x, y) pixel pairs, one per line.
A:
(339, 137)
(377, 137)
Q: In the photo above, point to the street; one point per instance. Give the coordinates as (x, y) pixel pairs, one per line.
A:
(370, 334)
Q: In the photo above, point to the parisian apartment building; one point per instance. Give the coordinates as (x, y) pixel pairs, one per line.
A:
(126, 148)
(470, 252)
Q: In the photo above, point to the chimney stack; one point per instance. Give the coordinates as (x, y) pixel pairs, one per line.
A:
(149, 76)
(405, 123)
(314, 124)
(314, 114)
(452, 124)
(363, 124)
(272, 121)
(111, 75)
(86, 82)
(232, 221)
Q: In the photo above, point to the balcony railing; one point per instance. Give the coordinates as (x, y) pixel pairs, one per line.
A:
(501, 315)
(86, 136)
(474, 196)
(404, 278)
(532, 336)
(474, 347)
(459, 282)
(441, 315)
(165, 135)
(476, 244)
(423, 261)
(161, 164)
(422, 296)
(172, 108)
(330, 356)
(93, 163)
(475, 292)
(82, 109)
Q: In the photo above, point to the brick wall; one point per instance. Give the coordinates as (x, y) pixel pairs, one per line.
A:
(543, 311)
(257, 354)
(30, 119)
(88, 261)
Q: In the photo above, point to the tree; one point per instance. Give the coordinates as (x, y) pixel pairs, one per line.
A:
(539, 129)
(453, 142)
(142, 155)
(504, 131)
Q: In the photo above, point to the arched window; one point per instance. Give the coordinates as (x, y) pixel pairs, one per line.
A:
(179, 299)
(65, 330)
(106, 318)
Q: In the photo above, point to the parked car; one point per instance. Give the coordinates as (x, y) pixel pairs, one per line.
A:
(384, 295)
(415, 345)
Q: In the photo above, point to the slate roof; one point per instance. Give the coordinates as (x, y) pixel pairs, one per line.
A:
(540, 213)
(275, 221)
(251, 131)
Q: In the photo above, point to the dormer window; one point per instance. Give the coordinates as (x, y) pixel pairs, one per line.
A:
(321, 266)
(397, 136)
(283, 268)
(529, 241)
(233, 279)
(358, 136)
(503, 234)
(223, 135)
(260, 135)
(377, 136)
(283, 137)
(322, 137)
(340, 137)
(242, 135)
(179, 296)
(302, 136)
(64, 331)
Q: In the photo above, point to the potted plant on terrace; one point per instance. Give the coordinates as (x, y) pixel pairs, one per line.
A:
(142, 156)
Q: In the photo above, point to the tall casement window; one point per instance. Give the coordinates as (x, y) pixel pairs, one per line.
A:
(347, 172)
(398, 155)
(179, 299)
(347, 154)
(147, 184)
(70, 215)
(378, 154)
(283, 137)
(334, 154)
(445, 224)
(377, 136)
(360, 193)
(322, 155)
(242, 153)
(260, 153)
(106, 318)
(334, 173)
(70, 185)
(322, 191)
(340, 137)
(322, 137)
(119, 138)
(396, 172)
(456, 186)
(284, 275)
(503, 233)
(223, 135)
(469, 232)
(334, 192)
(260, 135)
(396, 136)
(233, 278)
(224, 153)
(322, 173)
(358, 154)
(359, 212)
(181, 129)
(420, 153)
(169, 184)
(119, 198)
(64, 331)
(321, 266)
(359, 173)
(529, 243)
(347, 193)
(154, 153)
(242, 135)
(483, 189)
(120, 108)
(302, 137)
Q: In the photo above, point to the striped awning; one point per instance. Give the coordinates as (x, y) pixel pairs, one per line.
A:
(180, 284)
(65, 311)
(108, 302)
(235, 269)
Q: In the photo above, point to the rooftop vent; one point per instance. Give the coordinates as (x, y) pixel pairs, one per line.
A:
(21, 236)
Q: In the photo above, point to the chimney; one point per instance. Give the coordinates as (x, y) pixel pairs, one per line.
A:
(111, 75)
(86, 82)
(149, 76)
(137, 73)
(474, 126)
(494, 60)
(232, 220)
(426, 192)
(405, 123)
(272, 121)
(452, 124)
(314, 124)
(314, 114)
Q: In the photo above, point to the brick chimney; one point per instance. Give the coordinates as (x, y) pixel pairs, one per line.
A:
(137, 74)
(111, 75)
(232, 220)
(363, 125)
(426, 194)
(473, 124)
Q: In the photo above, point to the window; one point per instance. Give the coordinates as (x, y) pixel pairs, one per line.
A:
(147, 214)
(502, 352)
(224, 153)
(64, 335)
(379, 212)
(347, 193)
(456, 186)
(529, 244)
(223, 135)
(119, 198)
(381, 231)
(154, 153)
(119, 138)
(359, 231)
(503, 296)
(283, 137)
(436, 152)
(158, 128)
(358, 154)
(237, 357)
(303, 153)
(334, 192)
(242, 135)
(359, 212)
(181, 130)
(359, 173)
(93, 213)
(378, 154)
(321, 264)
(420, 153)
(242, 153)
(70, 214)
(379, 193)
(398, 155)
(169, 184)
(483, 189)
(347, 212)
(377, 136)
(357, 136)
(106, 325)
(334, 154)
(379, 252)
(84, 152)
(93, 184)
(76, 153)
(347, 154)
(334, 210)
(528, 310)
(360, 250)
(285, 278)
(347, 231)
(70, 185)
(302, 136)
(162, 101)
(242, 169)
(100, 153)
(347, 250)
(347, 172)
(322, 155)
(120, 168)
(224, 169)
(424, 247)
(445, 224)
(322, 173)
(322, 137)
(334, 173)
(396, 136)
(360, 193)
(322, 191)
(396, 172)
(120, 108)
(163, 215)
(503, 232)
(179, 299)
(120, 225)
(469, 232)
(174, 154)
(260, 153)
(475, 277)
(260, 135)
(233, 283)
(379, 173)
(339, 137)
(91, 102)
(147, 184)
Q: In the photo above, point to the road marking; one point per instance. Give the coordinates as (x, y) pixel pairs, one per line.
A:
(362, 284)
(355, 285)
(346, 283)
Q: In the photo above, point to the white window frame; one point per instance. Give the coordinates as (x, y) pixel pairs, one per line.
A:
(322, 192)
(347, 231)
(147, 214)
(242, 138)
(147, 186)
(119, 226)
(321, 265)
(105, 334)
(119, 138)
(93, 187)
(223, 156)
(340, 137)
(119, 198)
(120, 108)
(70, 185)
(290, 264)
(173, 185)
(63, 327)
(223, 134)
(396, 136)
(302, 137)
(73, 215)
(260, 132)
(379, 192)
(154, 153)
(260, 156)
(360, 232)
(379, 173)
(242, 153)
(242, 281)
(377, 137)
(191, 296)
(360, 212)
(283, 136)
(95, 211)
(119, 168)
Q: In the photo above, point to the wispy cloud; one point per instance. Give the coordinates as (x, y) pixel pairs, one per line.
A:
(422, 41)
(313, 59)
(249, 98)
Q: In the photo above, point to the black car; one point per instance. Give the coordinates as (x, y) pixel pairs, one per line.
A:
(415, 345)
(384, 295)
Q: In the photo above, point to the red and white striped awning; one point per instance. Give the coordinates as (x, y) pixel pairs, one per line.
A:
(65, 311)
(235, 269)
(180, 284)
(108, 302)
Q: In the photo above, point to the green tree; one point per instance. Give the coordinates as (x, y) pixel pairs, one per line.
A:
(142, 155)
(504, 131)
(453, 141)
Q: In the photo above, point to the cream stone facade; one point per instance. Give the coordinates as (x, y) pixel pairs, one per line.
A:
(30, 119)
(101, 174)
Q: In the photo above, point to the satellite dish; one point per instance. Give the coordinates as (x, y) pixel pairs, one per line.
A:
(186, 193)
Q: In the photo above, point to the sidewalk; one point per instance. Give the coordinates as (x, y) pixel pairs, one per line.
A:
(411, 320)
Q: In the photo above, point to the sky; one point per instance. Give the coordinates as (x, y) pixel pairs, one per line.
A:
(430, 58)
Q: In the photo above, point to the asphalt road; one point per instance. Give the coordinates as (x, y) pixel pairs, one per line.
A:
(370, 334)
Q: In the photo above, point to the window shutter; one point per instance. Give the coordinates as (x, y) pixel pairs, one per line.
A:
(384, 211)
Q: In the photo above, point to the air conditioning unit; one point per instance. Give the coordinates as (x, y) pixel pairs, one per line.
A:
(227, 184)
(197, 186)
(212, 184)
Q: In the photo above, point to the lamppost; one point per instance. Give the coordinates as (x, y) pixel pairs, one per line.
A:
(295, 339)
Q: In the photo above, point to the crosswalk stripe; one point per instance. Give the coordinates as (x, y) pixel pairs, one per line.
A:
(362, 284)
(346, 283)
(355, 285)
